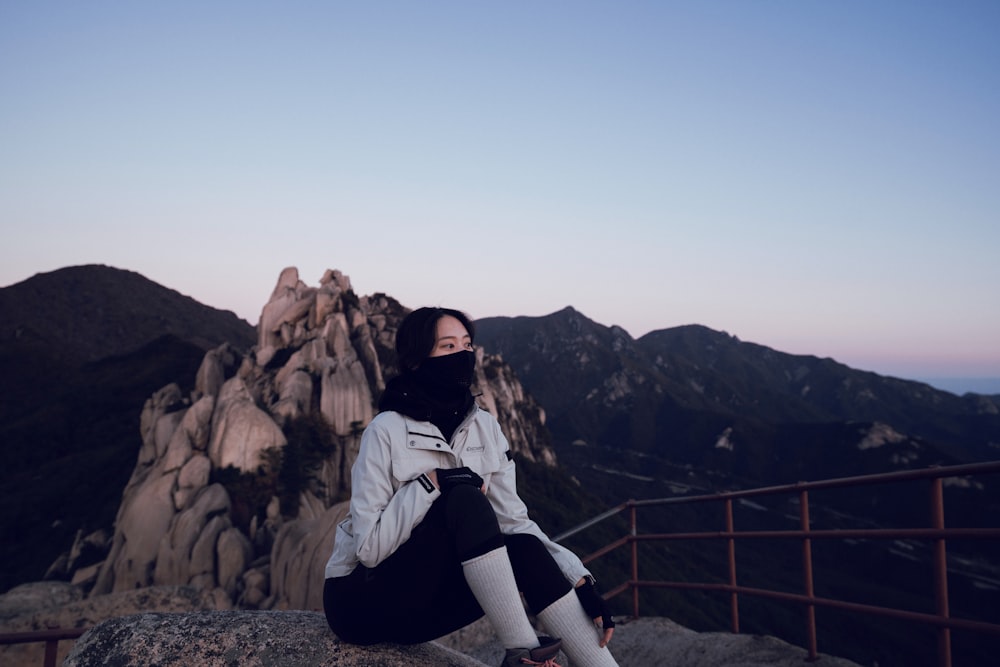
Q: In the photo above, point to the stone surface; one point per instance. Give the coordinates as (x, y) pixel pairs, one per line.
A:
(652, 642)
(659, 642)
(241, 431)
(248, 639)
(160, 622)
(51, 604)
(301, 550)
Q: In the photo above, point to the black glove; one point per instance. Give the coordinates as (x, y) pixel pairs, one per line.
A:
(594, 604)
(449, 478)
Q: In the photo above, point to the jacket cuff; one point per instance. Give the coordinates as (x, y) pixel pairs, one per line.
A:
(426, 482)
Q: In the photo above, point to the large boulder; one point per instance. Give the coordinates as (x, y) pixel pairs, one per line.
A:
(241, 431)
(248, 639)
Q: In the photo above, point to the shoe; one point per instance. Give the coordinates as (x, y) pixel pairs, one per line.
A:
(542, 655)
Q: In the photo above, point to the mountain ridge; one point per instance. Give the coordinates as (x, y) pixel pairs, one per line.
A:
(86, 312)
(600, 385)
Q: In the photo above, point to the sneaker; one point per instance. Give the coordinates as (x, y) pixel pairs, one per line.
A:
(543, 655)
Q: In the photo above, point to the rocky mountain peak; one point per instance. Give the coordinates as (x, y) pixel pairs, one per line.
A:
(239, 482)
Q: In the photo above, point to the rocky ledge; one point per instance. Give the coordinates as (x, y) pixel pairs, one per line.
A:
(244, 638)
(302, 639)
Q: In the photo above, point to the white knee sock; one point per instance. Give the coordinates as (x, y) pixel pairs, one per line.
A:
(566, 618)
(491, 579)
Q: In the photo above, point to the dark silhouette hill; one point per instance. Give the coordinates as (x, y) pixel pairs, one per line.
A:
(82, 348)
(85, 313)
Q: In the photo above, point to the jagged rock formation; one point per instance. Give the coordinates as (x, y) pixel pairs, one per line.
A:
(237, 484)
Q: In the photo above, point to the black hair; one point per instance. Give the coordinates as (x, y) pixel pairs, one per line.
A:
(418, 331)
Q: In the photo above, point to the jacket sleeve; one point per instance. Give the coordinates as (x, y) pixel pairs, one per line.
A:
(383, 516)
(512, 513)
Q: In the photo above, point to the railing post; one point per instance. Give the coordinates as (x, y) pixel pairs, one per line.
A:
(633, 531)
(51, 650)
(807, 575)
(734, 603)
(940, 572)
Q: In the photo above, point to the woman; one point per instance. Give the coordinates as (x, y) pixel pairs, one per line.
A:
(437, 535)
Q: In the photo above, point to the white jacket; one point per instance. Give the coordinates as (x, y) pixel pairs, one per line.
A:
(388, 501)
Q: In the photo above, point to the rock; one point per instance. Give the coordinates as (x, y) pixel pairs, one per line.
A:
(298, 559)
(233, 553)
(142, 522)
(187, 547)
(248, 639)
(295, 392)
(176, 636)
(256, 584)
(192, 478)
(35, 597)
(45, 605)
(241, 431)
(85, 577)
(660, 641)
(654, 642)
(218, 365)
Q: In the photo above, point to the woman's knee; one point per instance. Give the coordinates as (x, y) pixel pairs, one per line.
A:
(467, 503)
(537, 573)
(525, 544)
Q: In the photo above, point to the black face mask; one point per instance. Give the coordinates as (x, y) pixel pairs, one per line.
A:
(450, 374)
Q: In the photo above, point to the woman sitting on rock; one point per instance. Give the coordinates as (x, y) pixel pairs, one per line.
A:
(437, 535)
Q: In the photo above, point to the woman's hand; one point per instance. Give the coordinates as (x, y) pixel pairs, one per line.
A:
(596, 607)
(448, 478)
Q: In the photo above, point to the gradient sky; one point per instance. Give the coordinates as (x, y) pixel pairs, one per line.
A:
(818, 177)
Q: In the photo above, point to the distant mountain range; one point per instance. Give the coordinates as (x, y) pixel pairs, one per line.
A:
(704, 398)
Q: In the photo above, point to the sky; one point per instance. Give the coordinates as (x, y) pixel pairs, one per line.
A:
(820, 177)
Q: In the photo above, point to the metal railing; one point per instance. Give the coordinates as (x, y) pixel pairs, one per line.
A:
(50, 637)
(936, 533)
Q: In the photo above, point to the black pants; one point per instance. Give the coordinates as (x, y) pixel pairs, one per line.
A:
(419, 593)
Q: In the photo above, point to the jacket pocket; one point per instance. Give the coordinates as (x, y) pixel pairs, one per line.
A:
(419, 454)
(481, 460)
